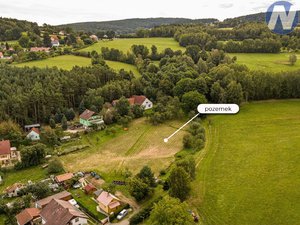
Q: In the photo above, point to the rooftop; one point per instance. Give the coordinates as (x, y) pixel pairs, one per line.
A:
(27, 215)
(5, 147)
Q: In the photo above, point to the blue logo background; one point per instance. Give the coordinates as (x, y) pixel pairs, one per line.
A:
(279, 27)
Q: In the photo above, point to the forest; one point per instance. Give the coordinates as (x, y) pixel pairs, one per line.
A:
(177, 80)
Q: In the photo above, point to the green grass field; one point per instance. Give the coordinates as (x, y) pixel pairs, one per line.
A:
(267, 62)
(125, 44)
(249, 171)
(67, 62)
(127, 67)
(141, 145)
(22, 176)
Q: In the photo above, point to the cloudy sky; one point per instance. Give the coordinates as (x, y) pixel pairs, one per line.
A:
(69, 11)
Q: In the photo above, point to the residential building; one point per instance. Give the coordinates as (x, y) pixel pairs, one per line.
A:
(89, 189)
(29, 216)
(1, 55)
(54, 41)
(34, 134)
(29, 127)
(40, 49)
(59, 212)
(89, 118)
(64, 195)
(140, 100)
(94, 37)
(63, 178)
(13, 190)
(8, 154)
(108, 203)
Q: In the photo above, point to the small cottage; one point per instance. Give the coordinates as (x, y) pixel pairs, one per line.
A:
(34, 134)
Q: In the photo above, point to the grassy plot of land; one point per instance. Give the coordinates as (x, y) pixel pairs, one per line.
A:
(141, 145)
(267, 62)
(66, 62)
(127, 67)
(249, 172)
(125, 44)
(22, 176)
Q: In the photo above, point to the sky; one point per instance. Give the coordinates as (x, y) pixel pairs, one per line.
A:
(57, 12)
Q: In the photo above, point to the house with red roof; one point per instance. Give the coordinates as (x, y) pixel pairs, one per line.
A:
(63, 178)
(59, 212)
(1, 55)
(108, 203)
(64, 195)
(8, 154)
(54, 41)
(89, 189)
(13, 190)
(89, 118)
(29, 216)
(34, 134)
(140, 100)
(39, 49)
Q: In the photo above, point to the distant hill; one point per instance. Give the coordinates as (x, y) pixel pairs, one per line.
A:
(258, 17)
(131, 25)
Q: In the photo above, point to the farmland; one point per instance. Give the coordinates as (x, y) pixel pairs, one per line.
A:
(249, 171)
(141, 145)
(125, 44)
(266, 62)
(67, 62)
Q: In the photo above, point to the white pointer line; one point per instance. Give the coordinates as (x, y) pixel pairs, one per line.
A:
(167, 139)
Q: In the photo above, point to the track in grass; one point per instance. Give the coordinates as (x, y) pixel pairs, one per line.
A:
(249, 172)
(267, 62)
(125, 44)
(141, 145)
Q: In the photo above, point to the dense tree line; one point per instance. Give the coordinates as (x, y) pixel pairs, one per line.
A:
(36, 95)
(267, 45)
(33, 95)
(11, 29)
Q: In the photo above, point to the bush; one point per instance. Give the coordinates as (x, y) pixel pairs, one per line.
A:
(55, 166)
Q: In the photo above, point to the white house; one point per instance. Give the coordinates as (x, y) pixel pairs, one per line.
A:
(55, 43)
(140, 100)
(34, 134)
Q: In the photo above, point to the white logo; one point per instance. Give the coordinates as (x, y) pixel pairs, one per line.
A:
(281, 17)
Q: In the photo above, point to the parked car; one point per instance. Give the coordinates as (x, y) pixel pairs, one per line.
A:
(122, 214)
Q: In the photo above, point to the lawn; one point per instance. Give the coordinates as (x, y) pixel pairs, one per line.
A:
(141, 145)
(87, 202)
(267, 62)
(125, 44)
(249, 171)
(66, 62)
(127, 67)
(22, 176)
